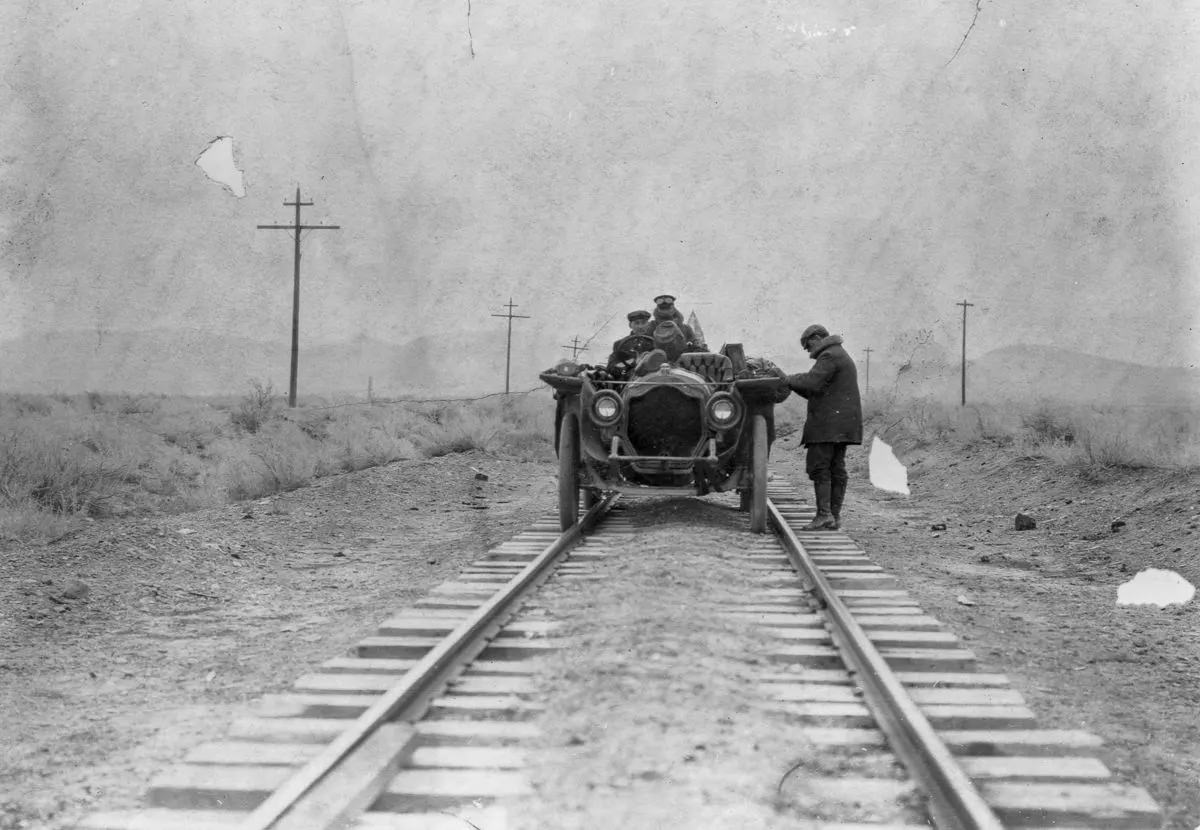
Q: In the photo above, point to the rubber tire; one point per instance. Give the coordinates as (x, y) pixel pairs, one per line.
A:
(758, 475)
(743, 501)
(568, 472)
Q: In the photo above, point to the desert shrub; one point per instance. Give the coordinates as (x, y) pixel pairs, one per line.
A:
(519, 426)
(192, 432)
(877, 407)
(278, 458)
(529, 446)
(997, 424)
(1129, 437)
(434, 413)
(920, 422)
(363, 439)
(1085, 438)
(458, 429)
(1047, 424)
(314, 424)
(42, 465)
(521, 412)
(66, 456)
(1106, 447)
(257, 408)
(17, 405)
(451, 440)
(131, 405)
(526, 427)
(30, 523)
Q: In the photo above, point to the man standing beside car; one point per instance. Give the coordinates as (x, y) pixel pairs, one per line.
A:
(834, 421)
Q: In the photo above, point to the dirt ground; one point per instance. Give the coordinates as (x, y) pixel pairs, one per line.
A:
(1044, 601)
(657, 717)
(133, 641)
(129, 643)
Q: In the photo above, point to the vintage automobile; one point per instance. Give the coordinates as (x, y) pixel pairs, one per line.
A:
(699, 423)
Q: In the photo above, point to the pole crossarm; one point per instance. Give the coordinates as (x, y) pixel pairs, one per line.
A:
(300, 227)
(296, 227)
(575, 347)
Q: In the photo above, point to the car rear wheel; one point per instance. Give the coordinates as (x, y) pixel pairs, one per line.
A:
(568, 472)
(758, 475)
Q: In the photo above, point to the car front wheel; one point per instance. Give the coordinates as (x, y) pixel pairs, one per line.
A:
(568, 472)
(758, 475)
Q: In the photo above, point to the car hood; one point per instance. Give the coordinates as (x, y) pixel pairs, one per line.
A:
(688, 383)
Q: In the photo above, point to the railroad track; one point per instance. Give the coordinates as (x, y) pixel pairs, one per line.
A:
(430, 724)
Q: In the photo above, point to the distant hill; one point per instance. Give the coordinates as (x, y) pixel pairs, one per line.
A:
(458, 362)
(1032, 372)
(196, 362)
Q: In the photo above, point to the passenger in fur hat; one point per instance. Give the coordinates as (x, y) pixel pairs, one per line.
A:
(834, 421)
(671, 339)
(665, 311)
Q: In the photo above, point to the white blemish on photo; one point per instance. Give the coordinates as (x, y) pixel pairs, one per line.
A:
(886, 471)
(1155, 586)
(217, 163)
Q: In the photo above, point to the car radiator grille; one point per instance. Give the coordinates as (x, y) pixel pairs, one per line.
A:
(664, 422)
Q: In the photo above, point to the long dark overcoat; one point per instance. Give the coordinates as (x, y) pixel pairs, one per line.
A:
(834, 405)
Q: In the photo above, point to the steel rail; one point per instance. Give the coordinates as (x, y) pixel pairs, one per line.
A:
(954, 801)
(416, 684)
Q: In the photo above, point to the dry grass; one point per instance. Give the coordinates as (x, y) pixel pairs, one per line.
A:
(1089, 439)
(64, 459)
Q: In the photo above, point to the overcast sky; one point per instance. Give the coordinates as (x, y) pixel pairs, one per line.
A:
(862, 164)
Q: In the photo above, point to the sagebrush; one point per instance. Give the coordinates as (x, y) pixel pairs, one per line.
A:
(63, 458)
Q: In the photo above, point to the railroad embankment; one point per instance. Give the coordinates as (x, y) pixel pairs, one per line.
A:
(67, 460)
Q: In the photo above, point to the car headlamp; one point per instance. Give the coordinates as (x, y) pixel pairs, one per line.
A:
(724, 411)
(606, 408)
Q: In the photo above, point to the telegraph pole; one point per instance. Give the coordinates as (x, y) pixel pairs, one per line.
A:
(868, 350)
(964, 305)
(296, 227)
(508, 351)
(575, 347)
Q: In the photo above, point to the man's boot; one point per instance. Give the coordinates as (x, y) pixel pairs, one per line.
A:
(837, 495)
(824, 518)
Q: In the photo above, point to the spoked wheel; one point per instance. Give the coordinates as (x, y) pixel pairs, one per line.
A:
(758, 475)
(568, 472)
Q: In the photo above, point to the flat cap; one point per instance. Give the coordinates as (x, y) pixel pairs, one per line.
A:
(817, 329)
(640, 314)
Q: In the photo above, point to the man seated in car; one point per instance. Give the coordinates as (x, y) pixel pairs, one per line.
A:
(665, 311)
(669, 343)
(639, 321)
(624, 352)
